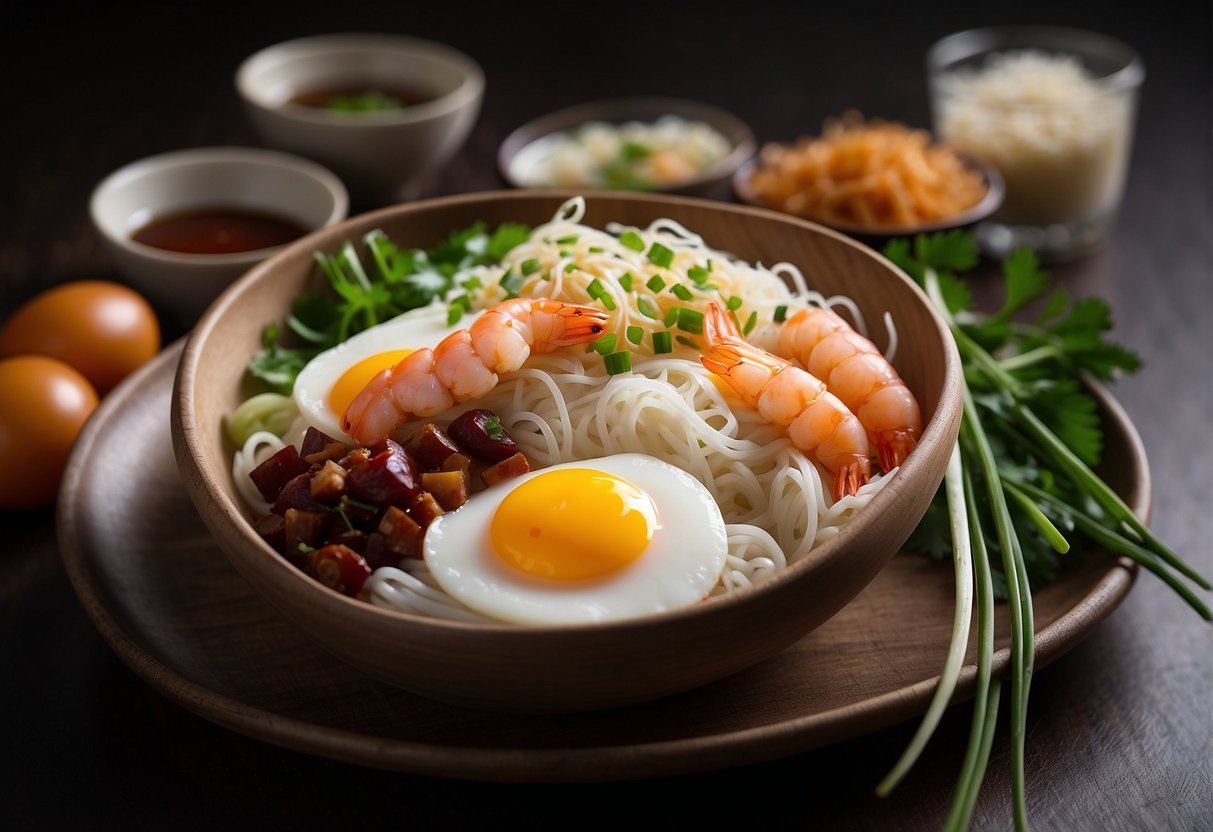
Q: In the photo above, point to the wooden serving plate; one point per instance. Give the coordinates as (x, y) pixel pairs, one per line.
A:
(173, 608)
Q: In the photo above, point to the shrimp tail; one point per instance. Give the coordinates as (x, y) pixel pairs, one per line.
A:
(717, 324)
(850, 477)
(893, 446)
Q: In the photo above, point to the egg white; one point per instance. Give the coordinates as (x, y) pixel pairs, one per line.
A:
(681, 564)
(415, 329)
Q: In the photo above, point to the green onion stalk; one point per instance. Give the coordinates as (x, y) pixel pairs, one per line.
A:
(975, 468)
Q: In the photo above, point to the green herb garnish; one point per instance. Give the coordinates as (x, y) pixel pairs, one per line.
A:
(663, 342)
(655, 283)
(625, 282)
(605, 344)
(632, 240)
(396, 281)
(492, 426)
(660, 255)
(690, 320)
(635, 334)
(530, 266)
(781, 313)
(681, 292)
(371, 101)
(647, 308)
(698, 274)
(618, 362)
(733, 303)
(1020, 490)
(750, 323)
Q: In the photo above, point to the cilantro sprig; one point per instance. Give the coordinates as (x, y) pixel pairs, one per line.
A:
(396, 281)
(1020, 491)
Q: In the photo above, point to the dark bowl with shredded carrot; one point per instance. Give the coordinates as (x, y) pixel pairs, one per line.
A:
(874, 180)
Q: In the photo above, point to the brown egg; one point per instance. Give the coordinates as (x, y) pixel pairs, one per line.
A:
(102, 329)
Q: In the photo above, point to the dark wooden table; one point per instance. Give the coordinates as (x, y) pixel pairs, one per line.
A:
(1120, 729)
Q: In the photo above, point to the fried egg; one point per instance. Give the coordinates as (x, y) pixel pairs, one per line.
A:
(598, 540)
(330, 381)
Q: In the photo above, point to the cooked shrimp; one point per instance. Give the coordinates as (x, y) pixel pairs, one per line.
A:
(855, 371)
(817, 422)
(465, 364)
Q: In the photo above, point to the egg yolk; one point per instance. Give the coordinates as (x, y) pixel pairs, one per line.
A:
(573, 524)
(347, 388)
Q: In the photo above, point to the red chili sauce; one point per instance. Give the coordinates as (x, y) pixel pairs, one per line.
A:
(218, 231)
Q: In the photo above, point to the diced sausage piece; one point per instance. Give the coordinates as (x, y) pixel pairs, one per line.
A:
(303, 530)
(355, 457)
(480, 433)
(506, 469)
(339, 567)
(389, 477)
(376, 552)
(429, 446)
(457, 462)
(272, 529)
(450, 488)
(297, 494)
(425, 509)
(401, 534)
(271, 476)
(318, 446)
(328, 484)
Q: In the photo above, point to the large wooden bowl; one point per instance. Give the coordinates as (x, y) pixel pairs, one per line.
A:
(581, 667)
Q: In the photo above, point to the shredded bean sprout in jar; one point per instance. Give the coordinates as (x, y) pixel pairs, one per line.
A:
(1060, 139)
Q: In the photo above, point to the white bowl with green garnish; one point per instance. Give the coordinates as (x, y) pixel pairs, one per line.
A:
(667, 145)
(383, 111)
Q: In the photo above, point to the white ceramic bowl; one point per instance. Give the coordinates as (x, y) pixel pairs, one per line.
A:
(383, 157)
(264, 181)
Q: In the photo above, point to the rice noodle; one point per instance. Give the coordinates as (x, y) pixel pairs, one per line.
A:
(563, 406)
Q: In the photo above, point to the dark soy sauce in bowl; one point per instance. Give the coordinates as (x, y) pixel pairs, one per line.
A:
(218, 231)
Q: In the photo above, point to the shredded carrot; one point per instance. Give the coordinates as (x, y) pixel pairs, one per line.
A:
(876, 174)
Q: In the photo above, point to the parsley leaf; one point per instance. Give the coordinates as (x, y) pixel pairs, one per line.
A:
(397, 280)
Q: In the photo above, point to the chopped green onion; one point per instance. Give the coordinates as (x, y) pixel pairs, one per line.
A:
(655, 284)
(618, 362)
(686, 342)
(749, 324)
(626, 282)
(564, 252)
(596, 249)
(690, 320)
(472, 283)
(635, 334)
(733, 303)
(605, 344)
(660, 255)
(511, 282)
(456, 308)
(781, 312)
(698, 273)
(647, 309)
(681, 292)
(566, 241)
(632, 240)
(595, 290)
(570, 267)
(671, 317)
(663, 342)
(530, 266)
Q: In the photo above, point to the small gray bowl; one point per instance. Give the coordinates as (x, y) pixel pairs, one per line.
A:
(711, 183)
(383, 157)
(253, 179)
